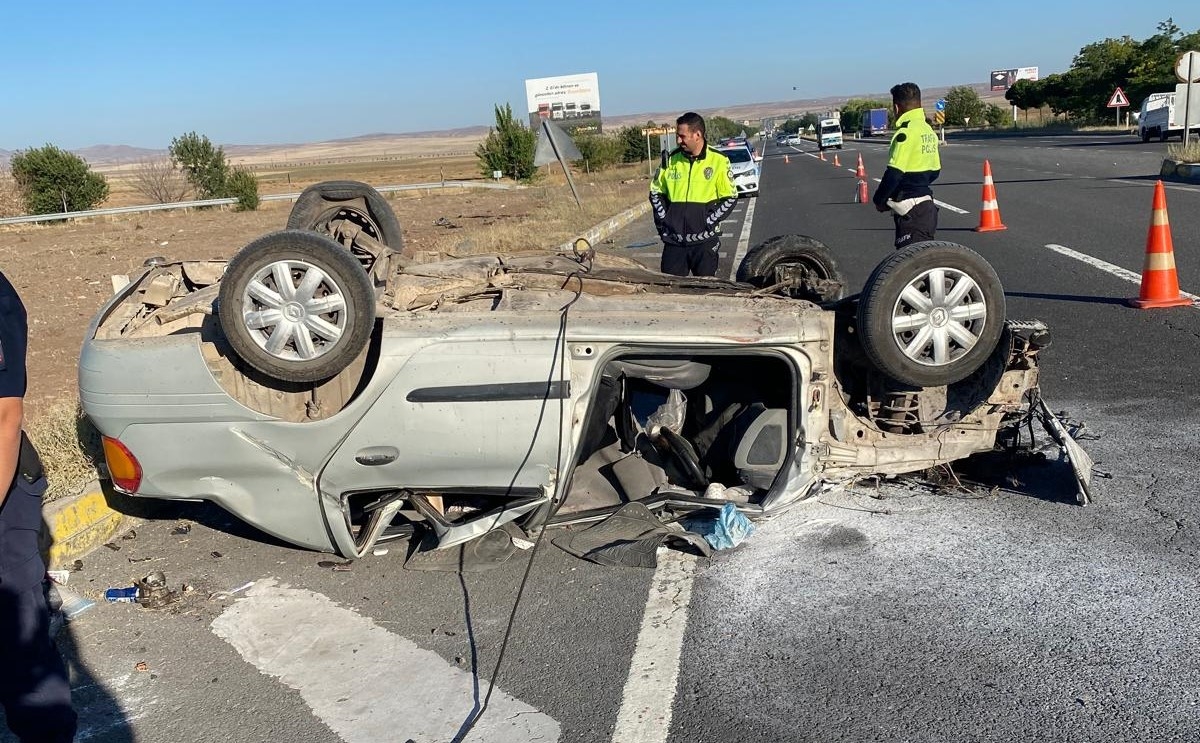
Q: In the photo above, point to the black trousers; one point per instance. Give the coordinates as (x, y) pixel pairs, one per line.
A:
(34, 689)
(917, 226)
(33, 685)
(698, 260)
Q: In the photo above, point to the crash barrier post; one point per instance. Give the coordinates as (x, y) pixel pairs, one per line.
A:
(989, 216)
(1160, 281)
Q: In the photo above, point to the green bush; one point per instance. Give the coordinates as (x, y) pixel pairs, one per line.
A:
(51, 180)
(243, 186)
(599, 151)
(209, 171)
(204, 164)
(509, 148)
(633, 143)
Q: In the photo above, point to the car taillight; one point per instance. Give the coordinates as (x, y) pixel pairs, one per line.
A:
(123, 467)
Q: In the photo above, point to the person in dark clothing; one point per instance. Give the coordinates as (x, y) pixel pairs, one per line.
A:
(913, 165)
(690, 195)
(34, 689)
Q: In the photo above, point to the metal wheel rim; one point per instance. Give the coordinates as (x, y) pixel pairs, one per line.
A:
(939, 316)
(779, 270)
(294, 310)
(333, 225)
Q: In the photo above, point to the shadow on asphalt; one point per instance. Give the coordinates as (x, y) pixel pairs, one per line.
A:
(1066, 297)
(205, 513)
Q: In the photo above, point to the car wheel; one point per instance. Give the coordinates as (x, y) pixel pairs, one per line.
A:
(802, 267)
(296, 306)
(356, 216)
(931, 314)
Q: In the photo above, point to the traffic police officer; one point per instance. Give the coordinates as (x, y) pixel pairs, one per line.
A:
(913, 164)
(690, 196)
(33, 683)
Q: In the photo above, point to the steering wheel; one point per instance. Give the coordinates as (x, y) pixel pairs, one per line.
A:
(684, 455)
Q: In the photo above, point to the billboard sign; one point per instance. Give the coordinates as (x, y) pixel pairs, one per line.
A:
(571, 101)
(1002, 80)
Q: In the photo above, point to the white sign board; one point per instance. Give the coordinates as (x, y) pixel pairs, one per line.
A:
(1187, 67)
(571, 101)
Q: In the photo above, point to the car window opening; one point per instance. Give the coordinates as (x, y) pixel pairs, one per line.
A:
(716, 425)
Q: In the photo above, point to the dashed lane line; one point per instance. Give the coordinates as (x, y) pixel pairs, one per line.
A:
(646, 705)
(743, 245)
(1107, 267)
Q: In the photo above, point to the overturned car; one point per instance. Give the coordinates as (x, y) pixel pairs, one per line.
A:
(333, 392)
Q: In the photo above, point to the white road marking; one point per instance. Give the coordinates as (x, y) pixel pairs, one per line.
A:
(645, 714)
(1120, 273)
(744, 237)
(942, 204)
(364, 682)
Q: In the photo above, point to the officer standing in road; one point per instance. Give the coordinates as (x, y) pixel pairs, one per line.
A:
(34, 689)
(690, 196)
(913, 165)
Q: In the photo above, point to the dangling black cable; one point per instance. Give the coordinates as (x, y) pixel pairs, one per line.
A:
(559, 356)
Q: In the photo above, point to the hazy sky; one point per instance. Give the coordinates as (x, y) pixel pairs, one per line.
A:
(76, 74)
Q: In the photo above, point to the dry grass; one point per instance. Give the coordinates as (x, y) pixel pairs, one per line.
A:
(553, 218)
(1188, 153)
(69, 446)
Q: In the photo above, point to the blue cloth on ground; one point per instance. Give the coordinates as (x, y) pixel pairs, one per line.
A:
(726, 531)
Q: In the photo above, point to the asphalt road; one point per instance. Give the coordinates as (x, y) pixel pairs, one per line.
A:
(892, 614)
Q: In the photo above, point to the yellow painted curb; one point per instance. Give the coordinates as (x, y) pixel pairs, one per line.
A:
(76, 526)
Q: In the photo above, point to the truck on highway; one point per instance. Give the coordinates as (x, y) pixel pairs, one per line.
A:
(1162, 114)
(829, 134)
(874, 122)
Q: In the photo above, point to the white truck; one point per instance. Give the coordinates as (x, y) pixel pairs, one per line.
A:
(1162, 114)
(829, 134)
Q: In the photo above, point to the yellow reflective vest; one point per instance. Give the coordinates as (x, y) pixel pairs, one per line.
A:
(690, 196)
(913, 160)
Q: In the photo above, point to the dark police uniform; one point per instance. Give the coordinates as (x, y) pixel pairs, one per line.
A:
(33, 683)
(913, 164)
(690, 196)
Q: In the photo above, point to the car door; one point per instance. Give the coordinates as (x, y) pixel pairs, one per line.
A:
(477, 414)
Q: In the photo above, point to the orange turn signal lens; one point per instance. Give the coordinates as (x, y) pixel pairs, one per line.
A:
(123, 467)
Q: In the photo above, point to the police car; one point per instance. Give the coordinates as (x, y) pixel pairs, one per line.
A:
(743, 167)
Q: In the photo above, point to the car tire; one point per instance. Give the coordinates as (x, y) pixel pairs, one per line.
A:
(953, 336)
(323, 331)
(321, 206)
(761, 265)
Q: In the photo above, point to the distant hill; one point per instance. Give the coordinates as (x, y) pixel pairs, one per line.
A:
(464, 139)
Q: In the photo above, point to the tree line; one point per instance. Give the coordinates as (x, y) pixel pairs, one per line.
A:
(51, 180)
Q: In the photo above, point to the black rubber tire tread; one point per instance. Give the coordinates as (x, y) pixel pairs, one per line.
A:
(757, 268)
(883, 288)
(342, 268)
(316, 201)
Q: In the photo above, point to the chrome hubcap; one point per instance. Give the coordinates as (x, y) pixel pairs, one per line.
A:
(939, 316)
(294, 310)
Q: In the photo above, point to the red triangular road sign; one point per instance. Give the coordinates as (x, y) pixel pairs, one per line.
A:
(1118, 99)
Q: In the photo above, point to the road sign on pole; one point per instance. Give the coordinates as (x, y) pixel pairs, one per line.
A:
(1187, 69)
(1117, 100)
(940, 105)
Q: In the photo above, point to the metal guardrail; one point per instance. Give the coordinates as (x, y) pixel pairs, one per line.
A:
(66, 216)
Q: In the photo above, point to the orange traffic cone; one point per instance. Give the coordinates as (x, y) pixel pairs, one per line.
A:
(785, 159)
(1160, 282)
(860, 195)
(861, 172)
(989, 216)
(822, 155)
(836, 160)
